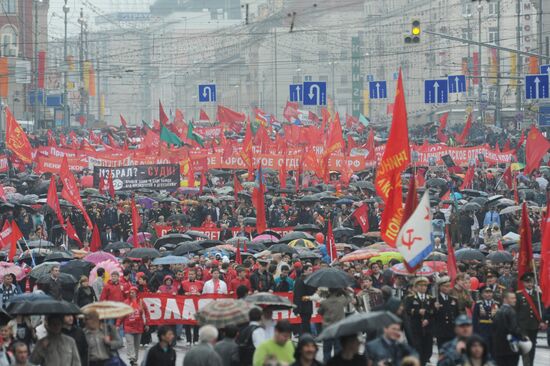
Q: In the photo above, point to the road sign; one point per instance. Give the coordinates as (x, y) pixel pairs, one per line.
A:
(370, 78)
(457, 83)
(545, 69)
(536, 86)
(207, 93)
(544, 115)
(435, 91)
(315, 93)
(296, 92)
(378, 90)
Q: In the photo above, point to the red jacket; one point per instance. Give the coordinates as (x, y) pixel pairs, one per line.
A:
(192, 288)
(112, 292)
(133, 323)
(238, 282)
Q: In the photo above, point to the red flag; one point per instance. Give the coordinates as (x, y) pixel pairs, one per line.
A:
(499, 245)
(282, 172)
(545, 258)
(507, 177)
(136, 223)
(361, 216)
(2, 193)
(463, 137)
(231, 119)
(411, 202)
(237, 187)
(420, 178)
(16, 139)
(525, 260)
(369, 145)
(203, 116)
(71, 233)
(53, 201)
(62, 140)
(442, 124)
(536, 147)
(163, 118)
(95, 243)
(291, 111)
(101, 187)
(15, 235)
(259, 203)
(521, 140)
(246, 152)
(331, 243)
(335, 139)
(395, 159)
(238, 257)
(178, 118)
(5, 234)
(350, 121)
(123, 122)
(110, 184)
(51, 139)
(506, 146)
(451, 259)
(468, 177)
(190, 175)
(351, 143)
(325, 114)
(203, 182)
(299, 173)
(70, 190)
(313, 117)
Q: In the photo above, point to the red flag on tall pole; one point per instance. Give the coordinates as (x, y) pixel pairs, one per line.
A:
(15, 235)
(525, 259)
(110, 184)
(136, 223)
(395, 159)
(468, 178)
(258, 196)
(70, 190)
(53, 201)
(203, 116)
(507, 177)
(123, 122)
(411, 202)
(238, 257)
(361, 216)
(16, 139)
(71, 233)
(330, 242)
(545, 258)
(95, 243)
(442, 124)
(237, 187)
(536, 147)
(451, 259)
(163, 118)
(463, 137)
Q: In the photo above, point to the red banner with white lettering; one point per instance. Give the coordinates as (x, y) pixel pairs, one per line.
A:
(166, 309)
(214, 233)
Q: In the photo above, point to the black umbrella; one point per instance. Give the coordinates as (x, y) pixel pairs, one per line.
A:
(358, 240)
(329, 277)
(307, 227)
(308, 254)
(473, 193)
(342, 231)
(257, 247)
(40, 244)
(480, 200)
(359, 322)
(60, 256)
(282, 248)
(238, 239)
(266, 299)
(436, 256)
(117, 245)
(363, 184)
(295, 235)
(436, 182)
(249, 221)
(64, 279)
(177, 217)
(171, 239)
(187, 247)
(143, 252)
(500, 256)
(209, 243)
(77, 268)
(471, 206)
(196, 234)
(469, 254)
(271, 232)
(308, 199)
(43, 307)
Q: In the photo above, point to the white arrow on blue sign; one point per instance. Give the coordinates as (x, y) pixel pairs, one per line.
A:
(207, 93)
(457, 83)
(436, 91)
(536, 86)
(378, 90)
(296, 92)
(315, 93)
(544, 69)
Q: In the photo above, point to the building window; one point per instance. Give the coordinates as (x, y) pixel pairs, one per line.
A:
(8, 41)
(466, 8)
(467, 33)
(308, 78)
(493, 8)
(323, 56)
(493, 35)
(8, 6)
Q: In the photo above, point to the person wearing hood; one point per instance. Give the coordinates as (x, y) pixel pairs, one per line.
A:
(305, 352)
(168, 286)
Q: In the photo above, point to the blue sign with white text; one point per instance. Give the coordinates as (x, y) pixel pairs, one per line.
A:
(296, 92)
(544, 69)
(536, 86)
(435, 91)
(457, 83)
(378, 90)
(315, 93)
(207, 93)
(544, 116)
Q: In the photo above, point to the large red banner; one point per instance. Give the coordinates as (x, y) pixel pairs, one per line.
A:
(166, 309)
(214, 233)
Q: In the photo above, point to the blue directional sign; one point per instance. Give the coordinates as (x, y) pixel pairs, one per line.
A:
(370, 77)
(545, 69)
(435, 91)
(457, 83)
(296, 92)
(207, 93)
(544, 115)
(536, 86)
(315, 93)
(378, 90)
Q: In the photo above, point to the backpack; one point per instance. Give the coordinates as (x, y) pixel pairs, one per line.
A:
(246, 346)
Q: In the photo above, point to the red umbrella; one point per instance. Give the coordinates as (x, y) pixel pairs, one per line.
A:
(437, 266)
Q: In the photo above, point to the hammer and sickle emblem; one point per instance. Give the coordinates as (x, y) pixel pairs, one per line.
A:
(410, 240)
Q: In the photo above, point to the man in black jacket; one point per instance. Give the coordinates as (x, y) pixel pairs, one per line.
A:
(387, 348)
(304, 305)
(76, 333)
(505, 323)
(162, 353)
(446, 311)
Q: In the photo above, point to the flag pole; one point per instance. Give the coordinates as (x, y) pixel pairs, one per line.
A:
(30, 250)
(536, 286)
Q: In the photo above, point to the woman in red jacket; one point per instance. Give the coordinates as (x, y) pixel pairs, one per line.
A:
(134, 326)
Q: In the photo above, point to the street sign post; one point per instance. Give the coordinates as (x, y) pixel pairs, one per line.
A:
(544, 115)
(207, 93)
(436, 91)
(378, 89)
(544, 69)
(457, 83)
(536, 86)
(315, 93)
(296, 92)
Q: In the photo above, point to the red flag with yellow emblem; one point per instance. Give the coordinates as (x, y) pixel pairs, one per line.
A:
(16, 139)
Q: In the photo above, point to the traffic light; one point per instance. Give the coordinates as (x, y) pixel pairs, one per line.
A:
(414, 36)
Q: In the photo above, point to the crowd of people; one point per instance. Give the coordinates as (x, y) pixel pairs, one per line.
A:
(479, 317)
